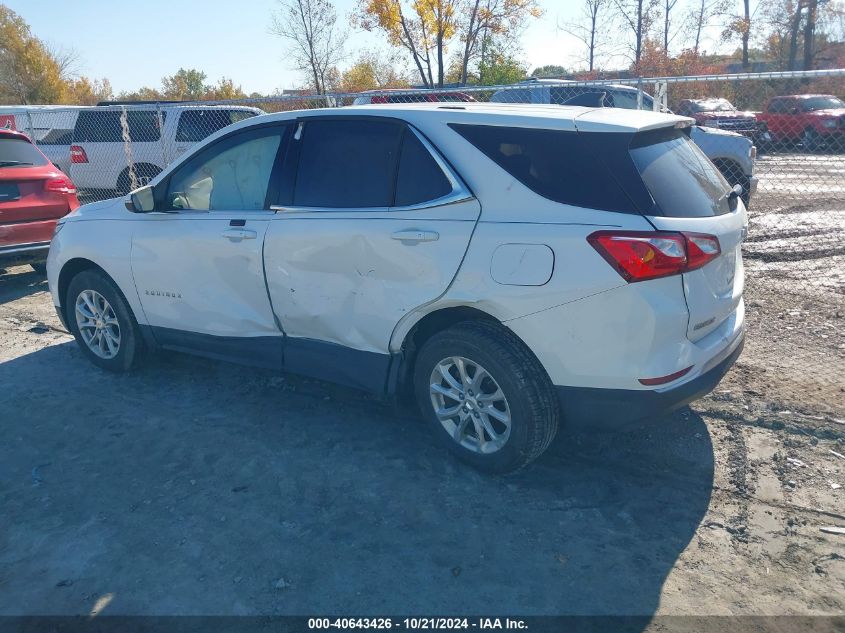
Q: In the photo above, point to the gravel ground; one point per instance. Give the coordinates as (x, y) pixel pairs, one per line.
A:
(195, 487)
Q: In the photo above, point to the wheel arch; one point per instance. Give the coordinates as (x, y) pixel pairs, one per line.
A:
(424, 328)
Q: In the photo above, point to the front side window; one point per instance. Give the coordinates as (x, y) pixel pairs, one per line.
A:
(777, 106)
(347, 163)
(232, 174)
(821, 103)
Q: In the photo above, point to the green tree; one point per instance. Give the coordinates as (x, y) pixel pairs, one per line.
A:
(499, 68)
(549, 70)
(185, 85)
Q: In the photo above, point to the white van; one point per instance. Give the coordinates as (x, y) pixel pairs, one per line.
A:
(121, 147)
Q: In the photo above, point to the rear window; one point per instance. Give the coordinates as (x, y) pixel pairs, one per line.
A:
(555, 164)
(680, 178)
(16, 152)
(195, 125)
(105, 126)
(420, 178)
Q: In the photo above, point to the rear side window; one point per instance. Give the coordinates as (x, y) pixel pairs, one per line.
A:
(106, 126)
(347, 163)
(555, 164)
(420, 178)
(681, 179)
(777, 106)
(195, 125)
(515, 95)
(16, 152)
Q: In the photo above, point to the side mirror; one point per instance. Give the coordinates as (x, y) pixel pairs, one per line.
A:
(142, 200)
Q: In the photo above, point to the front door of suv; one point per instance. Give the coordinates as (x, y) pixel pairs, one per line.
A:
(198, 265)
(374, 225)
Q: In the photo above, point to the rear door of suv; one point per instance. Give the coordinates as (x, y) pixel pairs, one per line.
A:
(371, 223)
(691, 196)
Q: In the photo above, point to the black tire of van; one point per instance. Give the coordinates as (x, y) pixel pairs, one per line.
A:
(144, 173)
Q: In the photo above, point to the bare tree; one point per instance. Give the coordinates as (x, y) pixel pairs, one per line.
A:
(809, 33)
(702, 16)
(501, 18)
(310, 26)
(668, 5)
(589, 28)
(637, 16)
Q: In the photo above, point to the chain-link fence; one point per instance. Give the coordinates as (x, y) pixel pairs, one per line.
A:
(779, 136)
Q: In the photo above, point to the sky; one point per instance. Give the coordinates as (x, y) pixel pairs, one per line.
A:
(135, 44)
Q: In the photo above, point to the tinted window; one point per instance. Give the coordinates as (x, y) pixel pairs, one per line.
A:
(232, 174)
(347, 163)
(563, 94)
(821, 103)
(105, 126)
(420, 178)
(195, 125)
(16, 151)
(777, 106)
(520, 95)
(681, 179)
(557, 165)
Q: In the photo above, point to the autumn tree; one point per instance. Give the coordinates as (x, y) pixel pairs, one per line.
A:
(739, 24)
(84, 91)
(590, 28)
(372, 71)
(423, 28)
(310, 28)
(28, 72)
(701, 16)
(502, 20)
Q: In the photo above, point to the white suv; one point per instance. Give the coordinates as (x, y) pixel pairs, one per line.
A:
(101, 159)
(512, 266)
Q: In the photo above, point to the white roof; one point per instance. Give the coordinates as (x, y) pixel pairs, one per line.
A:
(515, 114)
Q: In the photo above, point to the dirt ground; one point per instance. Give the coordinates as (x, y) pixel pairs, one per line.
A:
(195, 487)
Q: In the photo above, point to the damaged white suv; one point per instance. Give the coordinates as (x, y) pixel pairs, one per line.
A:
(513, 266)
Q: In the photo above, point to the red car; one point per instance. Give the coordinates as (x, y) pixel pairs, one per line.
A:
(720, 113)
(811, 120)
(33, 195)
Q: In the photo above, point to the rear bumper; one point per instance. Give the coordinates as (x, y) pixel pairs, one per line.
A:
(586, 408)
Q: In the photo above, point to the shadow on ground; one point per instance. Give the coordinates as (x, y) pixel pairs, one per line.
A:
(193, 487)
(22, 284)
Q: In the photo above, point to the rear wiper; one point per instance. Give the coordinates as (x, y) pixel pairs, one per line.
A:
(13, 163)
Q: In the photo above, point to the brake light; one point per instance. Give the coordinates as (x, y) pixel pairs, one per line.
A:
(651, 382)
(643, 255)
(60, 185)
(77, 154)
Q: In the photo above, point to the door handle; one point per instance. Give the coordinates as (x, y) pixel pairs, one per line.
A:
(236, 235)
(414, 236)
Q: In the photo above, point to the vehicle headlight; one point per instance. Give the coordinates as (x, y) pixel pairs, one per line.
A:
(829, 123)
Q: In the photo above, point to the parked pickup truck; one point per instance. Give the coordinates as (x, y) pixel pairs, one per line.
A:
(721, 113)
(814, 121)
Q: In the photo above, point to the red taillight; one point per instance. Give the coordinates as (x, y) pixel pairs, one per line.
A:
(60, 185)
(77, 154)
(642, 255)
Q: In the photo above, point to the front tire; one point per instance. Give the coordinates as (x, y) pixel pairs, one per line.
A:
(486, 396)
(101, 321)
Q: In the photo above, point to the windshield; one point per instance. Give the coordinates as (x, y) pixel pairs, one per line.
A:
(821, 103)
(716, 105)
(680, 178)
(16, 152)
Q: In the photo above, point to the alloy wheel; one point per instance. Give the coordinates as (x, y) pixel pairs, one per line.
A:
(470, 405)
(98, 324)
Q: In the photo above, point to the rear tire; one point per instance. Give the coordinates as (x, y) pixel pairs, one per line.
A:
(102, 322)
(484, 361)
